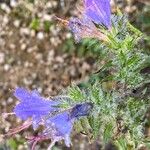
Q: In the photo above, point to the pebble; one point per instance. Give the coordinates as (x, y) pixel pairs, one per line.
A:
(12, 46)
(27, 81)
(24, 31)
(5, 20)
(5, 8)
(6, 67)
(68, 35)
(59, 59)
(16, 23)
(32, 33)
(9, 100)
(86, 66)
(47, 17)
(40, 35)
(13, 3)
(2, 57)
(23, 46)
(49, 5)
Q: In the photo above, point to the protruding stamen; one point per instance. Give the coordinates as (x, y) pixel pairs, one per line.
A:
(20, 128)
(35, 139)
(64, 22)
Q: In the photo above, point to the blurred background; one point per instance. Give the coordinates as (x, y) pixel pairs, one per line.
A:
(38, 52)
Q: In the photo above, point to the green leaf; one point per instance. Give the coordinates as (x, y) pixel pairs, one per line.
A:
(121, 143)
(108, 132)
(35, 24)
(95, 124)
(148, 145)
(76, 94)
(13, 144)
(47, 25)
(135, 30)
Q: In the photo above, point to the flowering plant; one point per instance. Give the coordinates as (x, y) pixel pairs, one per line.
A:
(117, 94)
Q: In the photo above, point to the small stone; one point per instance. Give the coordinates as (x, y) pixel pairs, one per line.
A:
(2, 58)
(68, 35)
(32, 33)
(50, 57)
(55, 67)
(39, 15)
(10, 100)
(39, 56)
(31, 49)
(27, 82)
(23, 46)
(52, 40)
(34, 75)
(73, 72)
(86, 66)
(54, 3)
(5, 8)
(16, 23)
(20, 147)
(6, 67)
(49, 5)
(47, 17)
(47, 71)
(51, 53)
(40, 35)
(26, 64)
(59, 59)
(24, 31)
(3, 103)
(5, 20)
(12, 46)
(13, 3)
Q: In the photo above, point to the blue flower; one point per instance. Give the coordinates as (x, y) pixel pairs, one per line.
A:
(81, 28)
(84, 28)
(98, 11)
(59, 127)
(32, 105)
(57, 124)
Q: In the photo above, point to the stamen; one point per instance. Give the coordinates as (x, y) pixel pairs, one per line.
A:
(20, 128)
(64, 22)
(35, 140)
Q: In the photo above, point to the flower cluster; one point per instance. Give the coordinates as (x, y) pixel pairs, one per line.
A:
(36, 110)
(95, 12)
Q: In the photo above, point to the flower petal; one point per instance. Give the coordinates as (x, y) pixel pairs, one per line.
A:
(59, 127)
(82, 28)
(32, 104)
(98, 11)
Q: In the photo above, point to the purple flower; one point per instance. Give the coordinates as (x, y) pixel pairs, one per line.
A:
(36, 110)
(59, 127)
(84, 28)
(32, 105)
(81, 27)
(98, 11)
